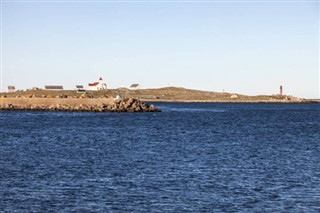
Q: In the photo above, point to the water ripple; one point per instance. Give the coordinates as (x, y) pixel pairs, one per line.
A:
(250, 158)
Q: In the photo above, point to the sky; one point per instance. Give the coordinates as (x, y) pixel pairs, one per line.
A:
(246, 47)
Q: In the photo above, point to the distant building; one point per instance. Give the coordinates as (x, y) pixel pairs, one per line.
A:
(135, 86)
(80, 89)
(53, 87)
(11, 88)
(100, 85)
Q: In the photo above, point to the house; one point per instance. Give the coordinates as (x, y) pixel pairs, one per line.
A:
(11, 88)
(100, 85)
(80, 89)
(135, 86)
(53, 87)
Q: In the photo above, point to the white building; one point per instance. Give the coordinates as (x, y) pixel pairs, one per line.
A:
(11, 88)
(100, 85)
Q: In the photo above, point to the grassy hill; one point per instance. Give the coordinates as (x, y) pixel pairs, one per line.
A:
(172, 94)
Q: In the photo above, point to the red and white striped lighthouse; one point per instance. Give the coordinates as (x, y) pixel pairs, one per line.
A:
(281, 90)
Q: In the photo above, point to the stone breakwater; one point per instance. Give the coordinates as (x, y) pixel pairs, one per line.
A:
(77, 105)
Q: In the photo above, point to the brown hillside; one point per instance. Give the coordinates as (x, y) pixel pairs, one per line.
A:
(172, 94)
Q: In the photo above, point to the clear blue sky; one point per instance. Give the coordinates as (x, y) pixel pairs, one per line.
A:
(245, 47)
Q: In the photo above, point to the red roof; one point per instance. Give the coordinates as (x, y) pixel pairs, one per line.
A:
(93, 84)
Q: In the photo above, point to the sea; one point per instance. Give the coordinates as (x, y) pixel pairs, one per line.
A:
(191, 157)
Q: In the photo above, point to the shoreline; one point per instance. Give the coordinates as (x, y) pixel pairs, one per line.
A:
(100, 100)
(231, 101)
(131, 105)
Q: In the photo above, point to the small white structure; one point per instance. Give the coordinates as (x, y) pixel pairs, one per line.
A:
(80, 89)
(135, 86)
(100, 85)
(11, 88)
(234, 96)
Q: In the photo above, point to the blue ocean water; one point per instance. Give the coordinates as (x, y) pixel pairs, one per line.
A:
(188, 158)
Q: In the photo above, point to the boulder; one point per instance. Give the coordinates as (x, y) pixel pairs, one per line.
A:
(130, 110)
(151, 107)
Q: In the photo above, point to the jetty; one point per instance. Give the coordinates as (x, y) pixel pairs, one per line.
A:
(71, 104)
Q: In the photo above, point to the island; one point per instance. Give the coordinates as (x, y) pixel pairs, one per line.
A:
(125, 100)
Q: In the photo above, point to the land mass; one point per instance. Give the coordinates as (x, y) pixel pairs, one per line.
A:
(167, 94)
(125, 100)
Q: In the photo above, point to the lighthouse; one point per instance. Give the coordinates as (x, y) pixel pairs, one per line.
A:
(281, 90)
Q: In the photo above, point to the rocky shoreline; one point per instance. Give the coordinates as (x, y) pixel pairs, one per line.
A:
(79, 105)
